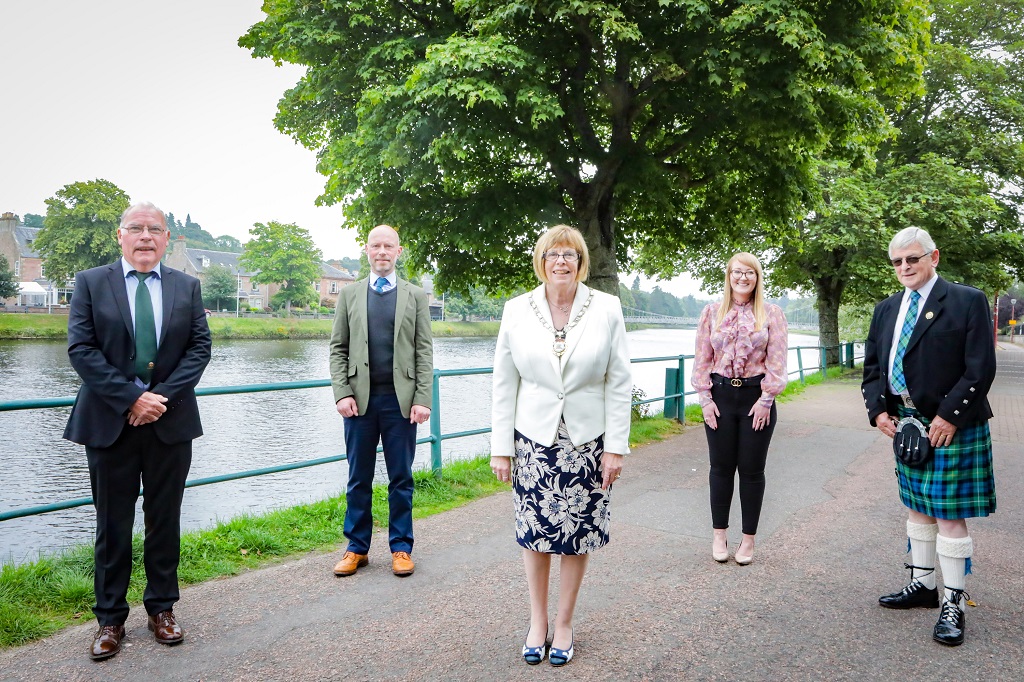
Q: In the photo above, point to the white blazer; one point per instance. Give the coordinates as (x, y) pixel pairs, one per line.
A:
(590, 386)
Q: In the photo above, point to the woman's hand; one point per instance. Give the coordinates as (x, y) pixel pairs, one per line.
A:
(710, 415)
(502, 468)
(762, 415)
(611, 469)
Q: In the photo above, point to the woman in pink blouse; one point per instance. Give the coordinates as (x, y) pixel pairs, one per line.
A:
(739, 368)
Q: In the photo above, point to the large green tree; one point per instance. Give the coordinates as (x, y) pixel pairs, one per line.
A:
(80, 228)
(220, 286)
(473, 125)
(284, 253)
(954, 165)
(8, 284)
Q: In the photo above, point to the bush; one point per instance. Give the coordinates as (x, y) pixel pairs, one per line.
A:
(643, 410)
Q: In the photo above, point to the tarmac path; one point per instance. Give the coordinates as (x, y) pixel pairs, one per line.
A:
(654, 605)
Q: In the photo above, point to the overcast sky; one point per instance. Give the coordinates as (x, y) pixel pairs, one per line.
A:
(158, 98)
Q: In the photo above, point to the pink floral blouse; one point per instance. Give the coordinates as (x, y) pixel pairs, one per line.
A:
(736, 350)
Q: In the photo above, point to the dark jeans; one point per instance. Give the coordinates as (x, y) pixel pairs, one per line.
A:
(735, 445)
(382, 423)
(115, 473)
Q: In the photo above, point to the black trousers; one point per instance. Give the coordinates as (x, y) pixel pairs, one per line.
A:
(736, 446)
(115, 473)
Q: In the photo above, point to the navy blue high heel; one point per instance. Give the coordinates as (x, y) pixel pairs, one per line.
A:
(559, 657)
(534, 655)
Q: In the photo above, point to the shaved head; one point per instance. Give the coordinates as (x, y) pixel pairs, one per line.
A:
(383, 250)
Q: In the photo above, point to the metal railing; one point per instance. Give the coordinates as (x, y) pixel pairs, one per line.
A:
(675, 397)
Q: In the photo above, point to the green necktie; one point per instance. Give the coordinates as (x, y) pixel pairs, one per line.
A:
(145, 330)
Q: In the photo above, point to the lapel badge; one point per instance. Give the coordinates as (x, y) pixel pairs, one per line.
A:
(929, 315)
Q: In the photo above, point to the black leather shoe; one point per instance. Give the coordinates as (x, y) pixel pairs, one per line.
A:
(949, 629)
(914, 595)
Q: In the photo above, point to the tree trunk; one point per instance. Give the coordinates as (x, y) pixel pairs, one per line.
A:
(595, 218)
(830, 294)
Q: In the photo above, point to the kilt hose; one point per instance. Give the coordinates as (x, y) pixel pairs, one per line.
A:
(958, 481)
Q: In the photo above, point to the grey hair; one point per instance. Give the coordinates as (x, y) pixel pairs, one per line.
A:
(911, 235)
(142, 206)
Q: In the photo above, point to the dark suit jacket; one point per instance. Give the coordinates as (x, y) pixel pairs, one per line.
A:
(101, 346)
(949, 363)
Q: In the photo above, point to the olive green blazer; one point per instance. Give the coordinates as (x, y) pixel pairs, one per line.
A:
(414, 350)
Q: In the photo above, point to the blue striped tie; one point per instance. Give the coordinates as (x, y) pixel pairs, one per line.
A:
(899, 382)
(379, 285)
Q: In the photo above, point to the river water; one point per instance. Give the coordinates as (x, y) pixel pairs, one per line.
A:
(245, 431)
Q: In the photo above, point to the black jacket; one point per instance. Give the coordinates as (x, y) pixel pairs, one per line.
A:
(101, 346)
(949, 364)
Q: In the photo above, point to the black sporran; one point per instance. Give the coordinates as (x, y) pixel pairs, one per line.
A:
(910, 444)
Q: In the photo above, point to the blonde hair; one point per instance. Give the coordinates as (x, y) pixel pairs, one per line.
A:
(556, 236)
(757, 300)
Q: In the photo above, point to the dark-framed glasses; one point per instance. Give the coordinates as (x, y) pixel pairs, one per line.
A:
(743, 274)
(567, 256)
(136, 230)
(911, 260)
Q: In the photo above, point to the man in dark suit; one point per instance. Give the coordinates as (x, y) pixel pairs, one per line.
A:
(930, 355)
(382, 366)
(137, 336)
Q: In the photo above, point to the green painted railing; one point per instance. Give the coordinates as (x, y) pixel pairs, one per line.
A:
(675, 396)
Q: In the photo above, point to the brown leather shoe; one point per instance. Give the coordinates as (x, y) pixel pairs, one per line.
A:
(107, 642)
(165, 629)
(350, 563)
(401, 563)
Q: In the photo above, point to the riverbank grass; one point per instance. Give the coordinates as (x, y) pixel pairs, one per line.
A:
(39, 598)
(43, 326)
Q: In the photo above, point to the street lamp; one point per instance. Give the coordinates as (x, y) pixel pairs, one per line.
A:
(238, 291)
(49, 296)
(1013, 317)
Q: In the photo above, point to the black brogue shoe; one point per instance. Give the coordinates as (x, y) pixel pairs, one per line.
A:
(949, 629)
(915, 595)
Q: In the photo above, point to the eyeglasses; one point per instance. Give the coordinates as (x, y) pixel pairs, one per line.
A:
(568, 256)
(743, 274)
(911, 260)
(136, 230)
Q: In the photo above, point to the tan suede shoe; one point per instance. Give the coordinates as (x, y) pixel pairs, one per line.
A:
(350, 563)
(401, 563)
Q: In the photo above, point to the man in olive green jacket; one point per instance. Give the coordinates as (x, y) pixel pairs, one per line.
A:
(382, 365)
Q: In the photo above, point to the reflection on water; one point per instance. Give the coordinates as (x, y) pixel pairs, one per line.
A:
(244, 431)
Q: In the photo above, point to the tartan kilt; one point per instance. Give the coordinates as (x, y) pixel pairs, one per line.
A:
(958, 481)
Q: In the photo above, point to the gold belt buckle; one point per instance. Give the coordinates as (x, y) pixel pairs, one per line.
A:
(736, 382)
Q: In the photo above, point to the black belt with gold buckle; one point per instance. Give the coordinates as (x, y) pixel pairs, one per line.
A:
(736, 382)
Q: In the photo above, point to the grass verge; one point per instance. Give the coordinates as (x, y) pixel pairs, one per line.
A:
(39, 598)
(42, 326)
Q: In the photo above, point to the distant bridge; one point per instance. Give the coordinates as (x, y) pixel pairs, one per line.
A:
(636, 316)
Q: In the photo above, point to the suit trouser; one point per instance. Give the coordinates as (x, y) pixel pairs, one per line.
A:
(115, 472)
(735, 445)
(381, 423)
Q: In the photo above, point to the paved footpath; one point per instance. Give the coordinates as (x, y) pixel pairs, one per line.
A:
(654, 605)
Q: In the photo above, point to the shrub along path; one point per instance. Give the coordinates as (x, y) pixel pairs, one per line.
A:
(654, 605)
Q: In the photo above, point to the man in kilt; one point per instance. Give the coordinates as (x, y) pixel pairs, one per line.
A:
(930, 354)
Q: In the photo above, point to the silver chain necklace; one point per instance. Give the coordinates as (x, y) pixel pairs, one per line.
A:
(558, 346)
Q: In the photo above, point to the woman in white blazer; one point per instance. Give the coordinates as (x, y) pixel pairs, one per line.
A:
(562, 391)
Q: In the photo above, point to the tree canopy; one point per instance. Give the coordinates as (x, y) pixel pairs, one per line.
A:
(220, 286)
(954, 165)
(79, 231)
(651, 124)
(284, 253)
(8, 284)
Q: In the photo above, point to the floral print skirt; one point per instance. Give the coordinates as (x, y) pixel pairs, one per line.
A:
(560, 507)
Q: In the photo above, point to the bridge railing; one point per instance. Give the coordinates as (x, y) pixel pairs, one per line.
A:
(675, 395)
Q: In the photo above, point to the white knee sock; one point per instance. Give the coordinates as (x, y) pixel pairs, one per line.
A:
(922, 551)
(953, 555)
